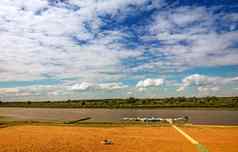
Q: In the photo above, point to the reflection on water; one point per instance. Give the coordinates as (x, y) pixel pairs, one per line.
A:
(197, 116)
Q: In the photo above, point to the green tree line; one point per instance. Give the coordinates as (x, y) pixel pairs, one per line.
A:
(212, 102)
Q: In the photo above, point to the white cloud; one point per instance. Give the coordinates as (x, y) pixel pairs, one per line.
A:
(181, 17)
(64, 91)
(205, 83)
(8, 90)
(37, 41)
(129, 93)
(207, 89)
(32, 92)
(41, 40)
(195, 79)
(82, 86)
(101, 86)
(150, 83)
(112, 86)
(142, 89)
(190, 37)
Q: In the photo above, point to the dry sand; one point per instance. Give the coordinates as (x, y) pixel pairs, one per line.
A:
(86, 139)
(216, 139)
(31, 138)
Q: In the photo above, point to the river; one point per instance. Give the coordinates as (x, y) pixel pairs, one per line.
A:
(197, 116)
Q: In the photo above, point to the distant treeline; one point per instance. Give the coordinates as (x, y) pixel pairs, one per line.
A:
(173, 102)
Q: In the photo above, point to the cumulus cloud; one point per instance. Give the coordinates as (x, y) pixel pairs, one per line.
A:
(93, 86)
(149, 83)
(82, 86)
(205, 83)
(195, 79)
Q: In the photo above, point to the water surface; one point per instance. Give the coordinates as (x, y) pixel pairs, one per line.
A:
(197, 116)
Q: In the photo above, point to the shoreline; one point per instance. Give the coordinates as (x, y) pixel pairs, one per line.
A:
(132, 108)
(111, 124)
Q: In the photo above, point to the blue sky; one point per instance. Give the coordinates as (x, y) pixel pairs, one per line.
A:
(61, 49)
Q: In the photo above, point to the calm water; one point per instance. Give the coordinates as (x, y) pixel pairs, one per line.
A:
(197, 116)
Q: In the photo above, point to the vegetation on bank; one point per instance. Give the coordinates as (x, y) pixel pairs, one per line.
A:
(173, 102)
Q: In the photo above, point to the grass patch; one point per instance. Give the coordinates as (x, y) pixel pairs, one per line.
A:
(201, 148)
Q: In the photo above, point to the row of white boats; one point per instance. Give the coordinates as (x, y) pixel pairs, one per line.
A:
(156, 119)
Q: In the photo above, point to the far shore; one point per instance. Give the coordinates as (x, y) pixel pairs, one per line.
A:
(115, 108)
(134, 103)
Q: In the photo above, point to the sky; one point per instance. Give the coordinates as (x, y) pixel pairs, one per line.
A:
(94, 49)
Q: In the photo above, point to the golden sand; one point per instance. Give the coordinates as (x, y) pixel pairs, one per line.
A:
(88, 139)
(216, 139)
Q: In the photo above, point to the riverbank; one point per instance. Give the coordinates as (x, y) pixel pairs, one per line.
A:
(108, 124)
(139, 108)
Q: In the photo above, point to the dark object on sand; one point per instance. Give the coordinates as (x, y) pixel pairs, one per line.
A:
(107, 142)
